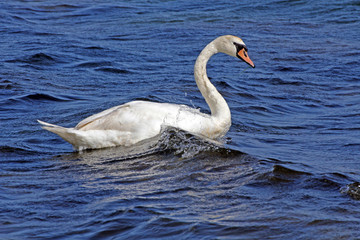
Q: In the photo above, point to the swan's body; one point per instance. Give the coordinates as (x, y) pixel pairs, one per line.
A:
(135, 121)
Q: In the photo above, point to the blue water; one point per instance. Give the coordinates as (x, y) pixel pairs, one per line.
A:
(290, 165)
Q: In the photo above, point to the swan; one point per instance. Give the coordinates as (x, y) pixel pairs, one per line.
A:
(135, 121)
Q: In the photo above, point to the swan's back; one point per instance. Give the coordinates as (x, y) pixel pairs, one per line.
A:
(144, 119)
(132, 116)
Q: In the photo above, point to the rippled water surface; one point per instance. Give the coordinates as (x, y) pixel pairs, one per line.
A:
(289, 168)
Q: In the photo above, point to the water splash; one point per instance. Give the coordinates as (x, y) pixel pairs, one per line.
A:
(353, 190)
(184, 144)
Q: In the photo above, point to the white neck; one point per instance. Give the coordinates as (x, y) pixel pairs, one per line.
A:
(220, 111)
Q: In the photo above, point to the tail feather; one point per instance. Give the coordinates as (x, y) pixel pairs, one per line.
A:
(89, 139)
(67, 134)
(46, 125)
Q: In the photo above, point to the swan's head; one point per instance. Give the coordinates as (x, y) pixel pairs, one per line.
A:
(233, 46)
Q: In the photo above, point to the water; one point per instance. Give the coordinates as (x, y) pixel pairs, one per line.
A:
(289, 168)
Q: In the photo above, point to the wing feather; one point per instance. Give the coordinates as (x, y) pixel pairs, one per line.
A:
(92, 122)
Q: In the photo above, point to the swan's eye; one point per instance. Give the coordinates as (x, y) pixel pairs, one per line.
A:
(240, 47)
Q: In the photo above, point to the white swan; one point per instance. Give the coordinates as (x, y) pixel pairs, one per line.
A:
(138, 120)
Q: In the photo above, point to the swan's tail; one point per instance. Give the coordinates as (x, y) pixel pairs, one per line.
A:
(68, 134)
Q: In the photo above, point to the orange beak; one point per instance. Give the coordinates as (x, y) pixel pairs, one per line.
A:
(242, 54)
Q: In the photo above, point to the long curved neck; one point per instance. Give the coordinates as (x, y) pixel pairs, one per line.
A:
(219, 109)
